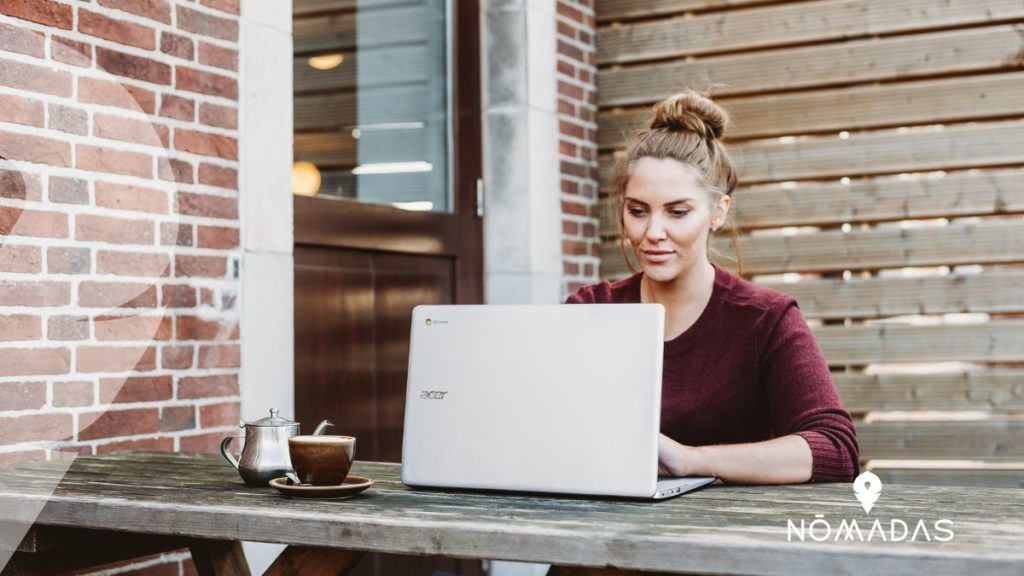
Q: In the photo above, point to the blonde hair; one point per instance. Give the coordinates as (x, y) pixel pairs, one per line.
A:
(687, 127)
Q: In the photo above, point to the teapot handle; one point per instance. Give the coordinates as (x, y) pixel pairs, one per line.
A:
(228, 455)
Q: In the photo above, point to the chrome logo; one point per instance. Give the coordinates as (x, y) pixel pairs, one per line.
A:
(429, 321)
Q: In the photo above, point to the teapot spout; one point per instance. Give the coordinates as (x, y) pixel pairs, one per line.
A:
(321, 427)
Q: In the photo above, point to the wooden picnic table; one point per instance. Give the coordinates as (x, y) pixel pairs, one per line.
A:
(138, 503)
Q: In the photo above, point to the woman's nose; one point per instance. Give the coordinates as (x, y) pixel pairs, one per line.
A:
(655, 229)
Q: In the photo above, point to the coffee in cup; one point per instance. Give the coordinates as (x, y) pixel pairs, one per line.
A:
(322, 460)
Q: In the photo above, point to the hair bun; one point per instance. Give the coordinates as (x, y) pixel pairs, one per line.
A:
(690, 111)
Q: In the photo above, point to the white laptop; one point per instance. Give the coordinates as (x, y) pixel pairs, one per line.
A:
(562, 399)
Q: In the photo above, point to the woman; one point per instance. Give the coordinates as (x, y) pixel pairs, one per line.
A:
(747, 396)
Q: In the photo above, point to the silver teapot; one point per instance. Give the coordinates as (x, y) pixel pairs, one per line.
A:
(265, 454)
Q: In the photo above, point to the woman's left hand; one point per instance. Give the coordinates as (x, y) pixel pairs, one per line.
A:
(668, 456)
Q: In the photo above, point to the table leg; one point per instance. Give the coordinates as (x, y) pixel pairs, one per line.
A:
(313, 561)
(219, 558)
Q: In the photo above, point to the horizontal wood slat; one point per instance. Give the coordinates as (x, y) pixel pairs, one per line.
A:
(972, 50)
(348, 109)
(854, 108)
(959, 194)
(996, 391)
(997, 341)
(791, 23)
(990, 477)
(991, 292)
(620, 9)
(372, 68)
(999, 440)
(399, 25)
(340, 149)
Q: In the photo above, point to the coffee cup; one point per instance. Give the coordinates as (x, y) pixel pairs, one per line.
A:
(322, 460)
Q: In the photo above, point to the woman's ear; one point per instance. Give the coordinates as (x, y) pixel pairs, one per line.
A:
(721, 212)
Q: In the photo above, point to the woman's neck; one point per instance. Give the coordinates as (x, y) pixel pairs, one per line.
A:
(692, 289)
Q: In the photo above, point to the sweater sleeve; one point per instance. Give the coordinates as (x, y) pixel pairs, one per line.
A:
(803, 400)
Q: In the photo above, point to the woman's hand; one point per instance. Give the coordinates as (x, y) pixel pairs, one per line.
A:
(671, 457)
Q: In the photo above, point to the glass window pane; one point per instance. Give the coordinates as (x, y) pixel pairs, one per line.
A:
(372, 101)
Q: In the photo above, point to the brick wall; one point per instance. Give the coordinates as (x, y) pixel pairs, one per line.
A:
(118, 226)
(577, 144)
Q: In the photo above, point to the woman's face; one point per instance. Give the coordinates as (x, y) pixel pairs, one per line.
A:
(667, 217)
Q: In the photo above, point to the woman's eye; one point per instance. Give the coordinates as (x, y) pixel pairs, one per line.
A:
(680, 213)
(636, 212)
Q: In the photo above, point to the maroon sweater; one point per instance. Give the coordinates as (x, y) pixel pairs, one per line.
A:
(748, 370)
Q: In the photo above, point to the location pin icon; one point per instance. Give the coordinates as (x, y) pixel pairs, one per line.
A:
(867, 487)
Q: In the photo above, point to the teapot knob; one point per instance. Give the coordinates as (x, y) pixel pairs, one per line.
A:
(273, 412)
(241, 423)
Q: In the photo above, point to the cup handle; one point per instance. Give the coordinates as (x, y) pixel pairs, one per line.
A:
(228, 455)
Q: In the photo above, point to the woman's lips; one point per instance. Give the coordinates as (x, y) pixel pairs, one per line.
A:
(656, 256)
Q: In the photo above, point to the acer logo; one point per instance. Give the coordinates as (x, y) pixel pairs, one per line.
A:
(433, 394)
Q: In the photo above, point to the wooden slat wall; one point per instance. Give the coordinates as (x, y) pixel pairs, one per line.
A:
(881, 154)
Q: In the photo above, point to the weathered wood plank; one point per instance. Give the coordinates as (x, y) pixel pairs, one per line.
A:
(63, 550)
(991, 292)
(996, 391)
(869, 200)
(996, 341)
(834, 251)
(858, 61)
(989, 477)
(608, 10)
(851, 108)
(964, 440)
(310, 561)
(219, 558)
(792, 23)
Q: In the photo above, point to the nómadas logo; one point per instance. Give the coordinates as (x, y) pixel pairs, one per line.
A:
(867, 488)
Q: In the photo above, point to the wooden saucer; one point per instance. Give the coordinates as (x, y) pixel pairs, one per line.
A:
(351, 485)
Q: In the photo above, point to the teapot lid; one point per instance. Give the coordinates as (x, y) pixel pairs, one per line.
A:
(272, 420)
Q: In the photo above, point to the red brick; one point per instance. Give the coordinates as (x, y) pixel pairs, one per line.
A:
(72, 394)
(213, 55)
(21, 110)
(175, 170)
(207, 24)
(566, 49)
(175, 234)
(34, 148)
(564, 9)
(220, 356)
(195, 328)
(131, 66)
(113, 328)
(44, 12)
(177, 46)
(19, 185)
(137, 389)
(190, 204)
(175, 418)
(570, 228)
(570, 187)
(176, 357)
(33, 78)
(206, 296)
(21, 40)
(63, 327)
(192, 80)
(145, 445)
(215, 415)
(35, 427)
(216, 237)
(208, 386)
(67, 119)
(22, 395)
(96, 91)
(566, 148)
(573, 169)
(570, 269)
(132, 263)
(34, 223)
(212, 175)
(89, 227)
(127, 197)
(571, 129)
(574, 208)
(116, 294)
(15, 327)
(158, 10)
(200, 266)
(68, 260)
(206, 144)
(201, 444)
(115, 359)
(114, 423)
(103, 159)
(73, 52)
(178, 296)
(68, 190)
(35, 362)
(219, 116)
(130, 130)
(119, 31)
(34, 293)
(229, 6)
(172, 106)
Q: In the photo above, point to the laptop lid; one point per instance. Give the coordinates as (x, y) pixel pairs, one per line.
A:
(557, 398)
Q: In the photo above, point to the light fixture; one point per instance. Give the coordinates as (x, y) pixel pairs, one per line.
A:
(393, 168)
(415, 206)
(326, 61)
(305, 179)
